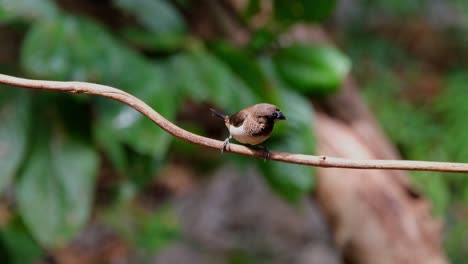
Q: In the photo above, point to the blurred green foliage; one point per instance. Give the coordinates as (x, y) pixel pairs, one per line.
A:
(311, 11)
(147, 231)
(51, 146)
(15, 119)
(16, 244)
(312, 69)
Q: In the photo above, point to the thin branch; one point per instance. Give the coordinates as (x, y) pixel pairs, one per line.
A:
(319, 161)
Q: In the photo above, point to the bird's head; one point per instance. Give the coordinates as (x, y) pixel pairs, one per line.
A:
(268, 111)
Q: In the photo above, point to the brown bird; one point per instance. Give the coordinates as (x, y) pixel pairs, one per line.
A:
(251, 125)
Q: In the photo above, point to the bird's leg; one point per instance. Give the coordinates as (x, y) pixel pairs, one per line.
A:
(226, 143)
(265, 153)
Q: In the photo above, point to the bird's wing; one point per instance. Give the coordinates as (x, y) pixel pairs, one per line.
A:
(238, 119)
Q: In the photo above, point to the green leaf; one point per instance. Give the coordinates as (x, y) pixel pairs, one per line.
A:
(129, 126)
(167, 32)
(312, 68)
(18, 245)
(76, 48)
(55, 190)
(290, 181)
(244, 65)
(202, 77)
(188, 79)
(159, 16)
(60, 49)
(27, 9)
(291, 11)
(15, 113)
(72, 48)
(110, 144)
(153, 41)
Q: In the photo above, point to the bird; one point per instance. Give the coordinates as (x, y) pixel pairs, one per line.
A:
(251, 125)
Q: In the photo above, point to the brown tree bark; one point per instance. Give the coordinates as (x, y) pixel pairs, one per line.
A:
(377, 216)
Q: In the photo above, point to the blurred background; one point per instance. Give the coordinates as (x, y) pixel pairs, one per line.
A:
(88, 180)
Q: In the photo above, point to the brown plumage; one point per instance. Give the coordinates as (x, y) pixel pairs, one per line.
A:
(251, 125)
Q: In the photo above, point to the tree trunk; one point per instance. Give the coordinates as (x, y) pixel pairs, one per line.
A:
(377, 217)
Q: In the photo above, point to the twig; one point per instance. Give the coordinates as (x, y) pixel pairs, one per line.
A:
(319, 161)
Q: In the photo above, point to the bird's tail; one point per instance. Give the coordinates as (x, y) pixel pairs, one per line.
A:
(218, 114)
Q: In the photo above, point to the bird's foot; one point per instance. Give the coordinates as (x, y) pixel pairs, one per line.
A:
(265, 153)
(225, 144)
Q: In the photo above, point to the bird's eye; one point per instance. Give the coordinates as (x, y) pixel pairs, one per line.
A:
(278, 115)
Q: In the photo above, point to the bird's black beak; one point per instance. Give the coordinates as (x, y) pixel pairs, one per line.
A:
(280, 115)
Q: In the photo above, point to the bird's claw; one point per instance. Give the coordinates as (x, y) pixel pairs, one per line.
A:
(265, 153)
(225, 144)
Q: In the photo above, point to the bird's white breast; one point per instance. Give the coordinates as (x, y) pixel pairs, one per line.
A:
(239, 134)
